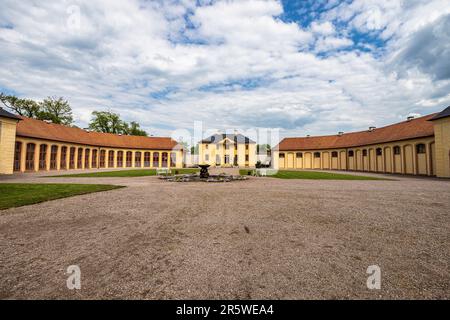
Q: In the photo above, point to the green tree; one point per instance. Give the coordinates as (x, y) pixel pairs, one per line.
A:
(107, 122)
(134, 129)
(263, 149)
(24, 107)
(57, 110)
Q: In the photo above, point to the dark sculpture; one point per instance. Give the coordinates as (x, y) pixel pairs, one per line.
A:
(204, 174)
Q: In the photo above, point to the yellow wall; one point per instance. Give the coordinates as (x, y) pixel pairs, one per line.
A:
(209, 151)
(39, 142)
(7, 143)
(408, 162)
(442, 147)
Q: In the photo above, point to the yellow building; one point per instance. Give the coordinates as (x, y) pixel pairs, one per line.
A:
(28, 145)
(418, 146)
(227, 150)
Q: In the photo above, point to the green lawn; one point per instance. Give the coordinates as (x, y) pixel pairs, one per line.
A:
(126, 173)
(21, 194)
(315, 175)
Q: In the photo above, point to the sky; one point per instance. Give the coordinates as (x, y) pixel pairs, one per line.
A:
(303, 67)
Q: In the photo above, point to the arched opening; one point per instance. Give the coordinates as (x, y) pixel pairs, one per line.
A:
(94, 158)
(164, 159)
(173, 159)
(156, 159)
(53, 157)
(29, 157)
(147, 159)
(110, 159)
(397, 159)
(119, 159)
(72, 158)
(87, 154)
(379, 159)
(281, 160)
(43, 157)
(80, 158)
(421, 158)
(102, 158)
(137, 159)
(17, 155)
(129, 160)
(63, 159)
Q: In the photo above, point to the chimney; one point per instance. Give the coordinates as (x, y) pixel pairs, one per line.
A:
(372, 128)
(340, 133)
(307, 135)
(410, 118)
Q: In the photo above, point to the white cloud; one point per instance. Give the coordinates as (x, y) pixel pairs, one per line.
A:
(168, 63)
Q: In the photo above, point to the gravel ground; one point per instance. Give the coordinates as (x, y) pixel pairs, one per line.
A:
(263, 238)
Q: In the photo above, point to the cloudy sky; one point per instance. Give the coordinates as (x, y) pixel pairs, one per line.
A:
(306, 67)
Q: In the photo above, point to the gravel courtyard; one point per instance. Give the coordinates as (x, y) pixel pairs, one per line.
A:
(263, 238)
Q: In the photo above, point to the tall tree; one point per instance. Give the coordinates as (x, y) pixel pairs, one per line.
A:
(134, 129)
(57, 110)
(24, 107)
(107, 122)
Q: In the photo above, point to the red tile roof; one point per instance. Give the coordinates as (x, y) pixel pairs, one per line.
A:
(415, 128)
(33, 128)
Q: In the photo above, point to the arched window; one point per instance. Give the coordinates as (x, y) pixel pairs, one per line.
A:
(379, 152)
(80, 158)
(87, 154)
(17, 155)
(299, 155)
(29, 157)
(334, 154)
(173, 159)
(146, 159)
(53, 157)
(420, 148)
(156, 159)
(351, 153)
(43, 157)
(281, 155)
(164, 159)
(397, 150)
(129, 159)
(365, 153)
(137, 159)
(63, 159)
(72, 158)
(316, 154)
(94, 158)
(119, 159)
(102, 158)
(110, 159)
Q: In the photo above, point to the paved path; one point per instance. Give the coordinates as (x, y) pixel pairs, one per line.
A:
(261, 238)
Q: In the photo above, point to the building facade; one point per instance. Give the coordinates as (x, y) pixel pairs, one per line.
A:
(227, 150)
(418, 146)
(29, 145)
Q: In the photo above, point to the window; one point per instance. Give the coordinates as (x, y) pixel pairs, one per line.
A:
(299, 155)
(351, 153)
(87, 154)
(217, 160)
(281, 155)
(119, 159)
(246, 146)
(164, 159)
(29, 160)
(43, 157)
(63, 159)
(102, 158)
(173, 159)
(316, 154)
(206, 146)
(147, 159)
(235, 160)
(334, 154)
(110, 159)
(80, 158)
(94, 158)
(156, 159)
(17, 155)
(246, 158)
(226, 159)
(364, 153)
(397, 150)
(137, 159)
(53, 157)
(206, 157)
(129, 160)
(420, 148)
(72, 158)
(227, 146)
(379, 152)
